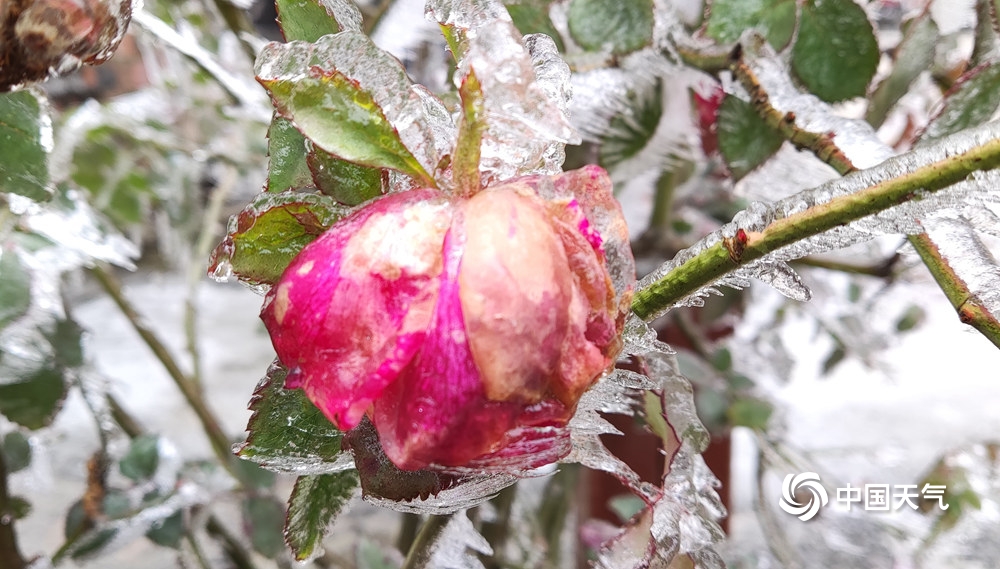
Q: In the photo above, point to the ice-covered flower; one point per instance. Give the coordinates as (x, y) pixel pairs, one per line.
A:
(465, 328)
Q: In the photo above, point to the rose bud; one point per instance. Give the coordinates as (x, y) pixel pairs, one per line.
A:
(465, 328)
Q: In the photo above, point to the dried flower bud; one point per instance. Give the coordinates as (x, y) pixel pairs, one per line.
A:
(466, 328)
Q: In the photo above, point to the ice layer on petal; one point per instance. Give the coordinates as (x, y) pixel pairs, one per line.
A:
(353, 307)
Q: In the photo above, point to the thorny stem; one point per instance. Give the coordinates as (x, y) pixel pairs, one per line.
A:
(217, 437)
(420, 552)
(970, 310)
(10, 555)
(729, 254)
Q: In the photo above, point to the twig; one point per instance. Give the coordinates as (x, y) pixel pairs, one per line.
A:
(420, 552)
(10, 555)
(220, 443)
(898, 180)
(197, 54)
(497, 531)
(970, 309)
(881, 270)
(236, 553)
(779, 545)
(237, 22)
(196, 270)
(407, 532)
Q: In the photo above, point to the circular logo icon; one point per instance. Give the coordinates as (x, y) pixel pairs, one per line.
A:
(804, 481)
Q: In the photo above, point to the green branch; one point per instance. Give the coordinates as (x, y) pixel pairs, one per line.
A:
(823, 147)
(970, 309)
(896, 181)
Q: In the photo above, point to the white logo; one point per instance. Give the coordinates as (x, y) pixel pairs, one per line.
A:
(808, 481)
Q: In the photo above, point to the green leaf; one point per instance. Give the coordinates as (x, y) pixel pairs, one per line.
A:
(253, 475)
(18, 507)
(287, 433)
(315, 503)
(115, 168)
(971, 101)
(620, 26)
(629, 133)
(914, 55)
(286, 149)
(345, 182)
(15, 287)
(263, 517)
(142, 458)
(752, 413)
(910, 319)
(331, 108)
(67, 343)
(836, 54)
(532, 17)
(271, 231)
(775, 19)
(23, 169)
(168, 532)
(722, 360)
(16, 451)
(33, 397)
(310, 20)
(745, 140)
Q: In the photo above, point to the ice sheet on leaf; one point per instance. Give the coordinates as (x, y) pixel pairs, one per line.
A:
(83, 234)
(410, 109)
(459, 545)
(979, 188)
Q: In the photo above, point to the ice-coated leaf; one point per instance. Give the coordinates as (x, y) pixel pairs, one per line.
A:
(532, 17)
(353, 100)
(629, 132)
(287, 433)
(913, 56)
(286, 149)
(268, 233)
(343, 181)
(263, 519)
(15, 287)
(315, 503)
(774, 19)
(525, 89)
(459, 545)
(616, 26)
(836, 54)
(745, 140)
(25, 138)
(417, 491)
(309, 20)
(142, 458)
(82, 234)
(34, 360)
(972, 101)
(16, 450)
